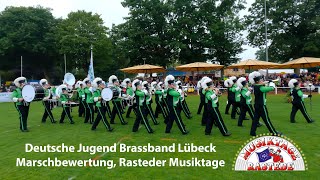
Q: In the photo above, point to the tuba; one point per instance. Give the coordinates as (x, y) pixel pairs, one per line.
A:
(70, 80)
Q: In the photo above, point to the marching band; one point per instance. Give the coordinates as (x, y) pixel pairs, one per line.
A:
(170, 99)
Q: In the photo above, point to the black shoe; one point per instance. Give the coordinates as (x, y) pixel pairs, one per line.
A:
(93, 129)
(72, 122)
(233, 118)
(246, 118)
(43, 121)
(151, 132)
(156, 123)
(53, 122)
(110, 129)
(253, 134)
(198, 113)
(24, 130)
(227, 134)
(184, 133)
(86, 122)
(61, 122)
(127, 116)
(167, 132)
(311, 121)
(203, 124)
(124, 123)
(206, 133)
(240, 125)
(226, 113)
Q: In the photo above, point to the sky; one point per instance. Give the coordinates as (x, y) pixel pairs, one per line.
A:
(111, 12)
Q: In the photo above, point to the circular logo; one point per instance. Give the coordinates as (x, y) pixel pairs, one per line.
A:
(269, 153)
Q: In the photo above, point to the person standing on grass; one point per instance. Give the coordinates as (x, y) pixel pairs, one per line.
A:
(88, 91)
(182, 103)
(260, 105)
(130, 94)
(205, 103)
(116, 101)
(173, 98)
(228, 84)
(81, 97)
(100, 105)
(45, 101)
(201, 104)
(298, 101)
(19, 103)
(245, 101)
(235, 90)
(214, 116)
(64, 98)
(148, 101)
(161, 106)
(141, 114)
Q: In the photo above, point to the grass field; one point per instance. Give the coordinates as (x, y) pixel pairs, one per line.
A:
(13, 141)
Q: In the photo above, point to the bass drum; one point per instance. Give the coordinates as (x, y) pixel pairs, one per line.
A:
(28, 93)
(106, 94)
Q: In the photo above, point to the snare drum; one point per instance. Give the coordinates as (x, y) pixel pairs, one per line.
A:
(72, 104)
(39, 94)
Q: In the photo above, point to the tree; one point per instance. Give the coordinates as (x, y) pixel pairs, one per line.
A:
(293, 28)
(165, 32)
(76, 34)
(27, 32)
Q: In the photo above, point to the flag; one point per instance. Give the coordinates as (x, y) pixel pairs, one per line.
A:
(264, 155)
(90, 71)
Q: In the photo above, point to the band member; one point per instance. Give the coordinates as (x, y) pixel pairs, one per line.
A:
(202, 98)
(88, 91)
(245, 102)
(129, 93)
(173, 100)
(140, 98)
(260, 104)
(182, 104)
(64, 98)
(114, 85)
(21, 106)
(205, 113)
(100, 104)
(159, 101)
(235, 90)
(81, 98)
(228, 84)
(46, 102)
(211, 95)
(165, 101)
(147, 91)
(298, 101)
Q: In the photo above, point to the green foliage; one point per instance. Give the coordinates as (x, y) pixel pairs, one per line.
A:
(164, 32)
(293, 28)
(76, 34)
(27, 32)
